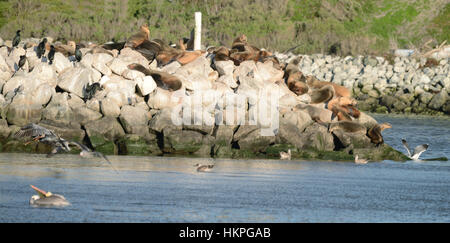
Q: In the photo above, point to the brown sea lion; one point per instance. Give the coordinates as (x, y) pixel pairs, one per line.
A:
(150, 49)
(137, 39)
(188, 56)
(346, 105)
(114, 46)
(318, 114)
(347, 126)
(162, 79)
(239, 43)
(221, 53)
(340, 91)
(66, 50)
(322, 95)
(341, 114)
(374, 133)
(294, 77)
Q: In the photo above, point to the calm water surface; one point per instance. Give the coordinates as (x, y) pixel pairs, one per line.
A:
(157, 189)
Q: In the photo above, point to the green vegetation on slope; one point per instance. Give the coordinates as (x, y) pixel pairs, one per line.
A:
(341, 26)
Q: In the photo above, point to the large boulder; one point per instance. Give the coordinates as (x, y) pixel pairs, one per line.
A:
(60, 62)
(23, 110)
(109, 107)
(103, 132)
(74, 80)
(145, 85)
(134, 119)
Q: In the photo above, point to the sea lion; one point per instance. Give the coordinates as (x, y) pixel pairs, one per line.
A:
(114, 45)
(318, 114)
(239, 43)
(137, 39)
(221, 53)
(162, 79)
(322, 95)
(347, 126)
(188, 56)
(294, 77)
(374, 133)
(66, 50)
(340, 91)
(100, 49)
(341, 114)
(149, 49)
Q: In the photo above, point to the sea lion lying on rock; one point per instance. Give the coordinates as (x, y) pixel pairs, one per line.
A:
(137, 39)
(162, 79)
(322, 95)
(294, 77)
(340, 91)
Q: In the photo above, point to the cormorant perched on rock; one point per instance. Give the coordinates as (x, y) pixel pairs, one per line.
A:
(51, 55)
(78, 54)
(91, 90)
(20, 64)
(41, 48)
(15, 41)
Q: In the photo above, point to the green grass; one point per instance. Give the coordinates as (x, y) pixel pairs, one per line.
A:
(356, 26)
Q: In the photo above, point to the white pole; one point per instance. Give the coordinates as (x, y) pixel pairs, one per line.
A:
(198, 31)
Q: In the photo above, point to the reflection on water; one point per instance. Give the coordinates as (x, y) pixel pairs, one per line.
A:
(162, 189)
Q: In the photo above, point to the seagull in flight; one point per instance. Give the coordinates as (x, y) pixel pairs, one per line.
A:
(417, 151)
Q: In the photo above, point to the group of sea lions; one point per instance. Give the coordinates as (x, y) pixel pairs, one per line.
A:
(242, 51)
(332, 97)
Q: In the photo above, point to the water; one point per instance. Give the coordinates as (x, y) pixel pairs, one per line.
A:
(161, 189)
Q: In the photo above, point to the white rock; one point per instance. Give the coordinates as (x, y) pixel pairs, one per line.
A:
(145, 85)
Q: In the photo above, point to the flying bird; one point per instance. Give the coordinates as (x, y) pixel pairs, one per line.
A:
(418, 150)
(88, 153)
(47, 199)
(46, 136)
(43, 135)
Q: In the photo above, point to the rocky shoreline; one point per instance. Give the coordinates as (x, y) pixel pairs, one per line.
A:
(403, 85)
(221, 111)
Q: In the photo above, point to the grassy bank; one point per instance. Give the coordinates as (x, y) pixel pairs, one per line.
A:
(316, 26)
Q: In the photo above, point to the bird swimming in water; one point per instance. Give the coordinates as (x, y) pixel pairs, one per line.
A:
(47, 199)
(203, 168)
(418, 150)
(51, 55)
(15, 41)
(360, 161)
(78, 54)
(285, 155)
